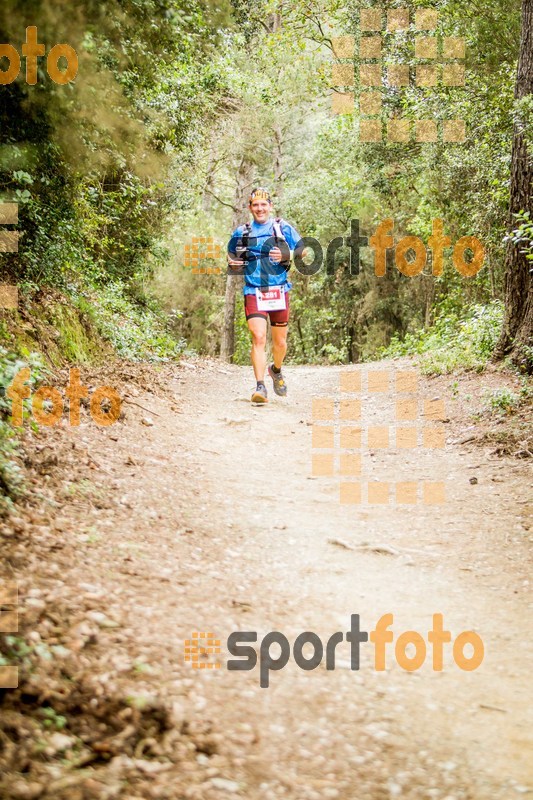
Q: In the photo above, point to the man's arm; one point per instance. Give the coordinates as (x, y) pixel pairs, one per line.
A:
(233, 261)
(294, 242)
(233, 244)
(284, 253)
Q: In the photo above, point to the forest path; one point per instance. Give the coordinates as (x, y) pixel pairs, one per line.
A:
(217, 525)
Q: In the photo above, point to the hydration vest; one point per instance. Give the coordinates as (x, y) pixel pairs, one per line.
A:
(278, 238)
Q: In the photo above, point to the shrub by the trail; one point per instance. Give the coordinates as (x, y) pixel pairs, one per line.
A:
(453, 342)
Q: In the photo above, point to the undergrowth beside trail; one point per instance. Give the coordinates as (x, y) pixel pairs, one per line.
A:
(137, 331)
(51, 330)
(453, 342)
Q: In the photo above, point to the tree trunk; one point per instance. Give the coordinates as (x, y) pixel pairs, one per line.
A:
(302, 339)
(244, 177)
(234, 282)
(429, 291)
(207, 198)
(277, 158)
(517, 330)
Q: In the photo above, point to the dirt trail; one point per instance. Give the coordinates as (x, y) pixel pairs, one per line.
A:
(215, 523)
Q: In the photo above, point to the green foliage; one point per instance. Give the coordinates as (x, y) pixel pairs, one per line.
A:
(505, 401)
(278, 129)
(453, 342)
(15, 648)
(523, 234)
(242, 335)
(51, 719)
(10, 364)
(524, 118)
(136, 333)
(501, 400)
(176, 102)
(96, 166)
(11, 484)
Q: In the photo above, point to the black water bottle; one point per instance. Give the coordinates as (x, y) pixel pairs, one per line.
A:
(241, 253)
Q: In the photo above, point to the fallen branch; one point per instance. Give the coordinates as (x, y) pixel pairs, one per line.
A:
(340, 543)
(493, 708)
(149, 410)
(382, 549)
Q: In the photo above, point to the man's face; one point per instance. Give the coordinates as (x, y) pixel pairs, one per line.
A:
(260, 210)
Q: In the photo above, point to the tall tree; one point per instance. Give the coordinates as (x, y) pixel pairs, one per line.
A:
(233, 282)
(517, 332)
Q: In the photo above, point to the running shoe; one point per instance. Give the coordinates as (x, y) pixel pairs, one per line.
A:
(280, 386)
(260, 394)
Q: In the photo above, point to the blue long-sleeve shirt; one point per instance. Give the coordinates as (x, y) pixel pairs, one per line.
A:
(263, 271)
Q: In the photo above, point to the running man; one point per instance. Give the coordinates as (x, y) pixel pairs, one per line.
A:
(263, 248)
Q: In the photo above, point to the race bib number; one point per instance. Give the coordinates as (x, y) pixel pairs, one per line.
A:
(271, 300)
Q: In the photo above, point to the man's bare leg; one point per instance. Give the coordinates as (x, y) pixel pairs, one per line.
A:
(258, 329)
(279, 344)
(279, 348)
